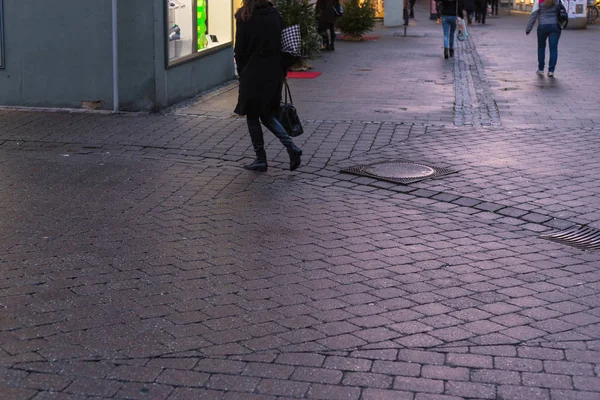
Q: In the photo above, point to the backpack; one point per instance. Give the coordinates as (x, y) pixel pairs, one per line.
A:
(562, 16)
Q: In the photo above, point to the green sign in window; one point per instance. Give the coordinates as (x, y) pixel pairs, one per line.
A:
(202, 28)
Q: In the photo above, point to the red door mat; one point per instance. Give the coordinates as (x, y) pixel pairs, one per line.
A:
(303, 75)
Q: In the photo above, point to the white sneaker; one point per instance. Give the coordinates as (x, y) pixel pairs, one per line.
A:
(550, 74)
(540, 73)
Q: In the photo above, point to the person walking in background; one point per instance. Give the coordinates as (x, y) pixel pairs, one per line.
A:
(544, 12)
(481, 11)
(449, 10)
(327, 15)
(494, 7)
(470, 9)
(412, 8)
(261, 69)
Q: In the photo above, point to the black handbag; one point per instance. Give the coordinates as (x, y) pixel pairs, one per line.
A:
(288, 116)
(562, 16)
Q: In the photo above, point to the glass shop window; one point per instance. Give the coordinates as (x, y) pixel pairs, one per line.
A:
(196, 26)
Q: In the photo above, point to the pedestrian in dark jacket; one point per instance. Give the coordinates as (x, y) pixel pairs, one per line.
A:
(260, 67)
(494, 4)
(469, 6)
(327, 15)
(481, 10)
(412, 8)
(449, 9)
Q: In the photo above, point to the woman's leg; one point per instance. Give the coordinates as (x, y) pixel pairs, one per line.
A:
(446, 28)
(279, 131)
(542, 34)
(553, 45)
(452, 31)
(332, 36)
(258, 143)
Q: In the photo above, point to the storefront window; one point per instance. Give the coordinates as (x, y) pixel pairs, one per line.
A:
(1, 36)
(195, 26)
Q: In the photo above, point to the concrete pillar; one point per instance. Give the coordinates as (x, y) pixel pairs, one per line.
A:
(393, 12)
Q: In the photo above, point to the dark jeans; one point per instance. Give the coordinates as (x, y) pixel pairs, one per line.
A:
(481, 13)
(256, 134)
(552, 33)
(494, 7)
(412, 8)
(328, 34)
(470, 13)
(449, 26)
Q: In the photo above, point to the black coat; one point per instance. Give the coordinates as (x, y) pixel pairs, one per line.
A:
(449, 7)
(325, 11)
(259, 62)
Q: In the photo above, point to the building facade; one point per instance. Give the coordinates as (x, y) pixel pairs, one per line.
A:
(60, 54)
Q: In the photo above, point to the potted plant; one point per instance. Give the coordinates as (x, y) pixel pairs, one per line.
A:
(358, 18)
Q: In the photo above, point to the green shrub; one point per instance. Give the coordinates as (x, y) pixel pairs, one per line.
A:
(358, 18)
(303, 13)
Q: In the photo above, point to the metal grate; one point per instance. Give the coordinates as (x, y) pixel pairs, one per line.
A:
(582, 237)
(398, 171)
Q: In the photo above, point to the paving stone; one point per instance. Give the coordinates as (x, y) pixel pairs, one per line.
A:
(139, 239)
(382, 394)
(331, 392)
(521, 392)
(419, 384)
(319, 375)
(471, 390)
(347, 363)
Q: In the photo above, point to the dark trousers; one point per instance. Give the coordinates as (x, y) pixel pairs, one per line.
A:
(470, 13)
(552, 33)
(328, 34)
(494, 7)
(412, 8)
(481, 12)
(256, 134)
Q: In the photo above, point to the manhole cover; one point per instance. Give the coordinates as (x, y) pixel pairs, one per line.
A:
(398, 171)
(582, 237)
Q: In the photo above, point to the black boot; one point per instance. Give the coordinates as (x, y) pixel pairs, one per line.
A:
(451, 52)
(259, 165)
(295, 153)
(278, 130)
(446, 53)
(256, 135)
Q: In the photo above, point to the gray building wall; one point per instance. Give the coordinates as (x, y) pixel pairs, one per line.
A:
(59, 54)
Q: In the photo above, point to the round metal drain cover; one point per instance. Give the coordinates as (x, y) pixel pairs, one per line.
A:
(399, 170)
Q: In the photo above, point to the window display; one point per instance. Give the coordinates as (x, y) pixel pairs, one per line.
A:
(1, 36)
(195, 26)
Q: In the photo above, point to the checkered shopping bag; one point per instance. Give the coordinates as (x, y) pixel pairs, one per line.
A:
(291, 40)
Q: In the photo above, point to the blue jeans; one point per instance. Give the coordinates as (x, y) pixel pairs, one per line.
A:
(449, 26)
(552, 33)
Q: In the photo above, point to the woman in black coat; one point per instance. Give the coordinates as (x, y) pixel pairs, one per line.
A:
(260, 66)
(327, 15)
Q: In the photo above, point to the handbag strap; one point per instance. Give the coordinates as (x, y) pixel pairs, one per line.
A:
(288, 92)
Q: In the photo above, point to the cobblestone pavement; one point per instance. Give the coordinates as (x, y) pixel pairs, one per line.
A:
(139, 261)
